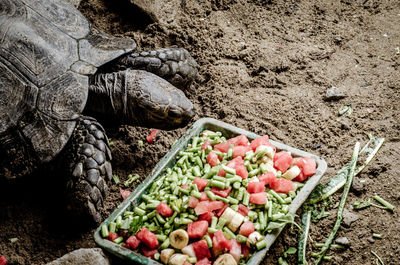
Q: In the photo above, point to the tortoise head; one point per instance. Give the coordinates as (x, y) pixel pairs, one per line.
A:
(155, 103)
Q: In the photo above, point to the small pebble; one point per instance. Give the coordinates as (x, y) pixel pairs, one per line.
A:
(317, 146)
(357, 186)
(344, 241)
(333, 94)
(371, 240)
(349, 218)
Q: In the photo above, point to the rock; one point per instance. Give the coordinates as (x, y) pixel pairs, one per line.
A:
(349, 218)
(84, 256)
(333, 93)
(344, 241)
(357, 186)
(162, 11)
(75, 3)
(371, 239)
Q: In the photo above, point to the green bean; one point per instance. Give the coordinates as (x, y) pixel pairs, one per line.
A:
(229, 170)
(211, 195)
(118, 240)
(157, 256)
(112, 227)
(235, 207)
(249, 155)
(236, 185)
(192, 260)
(221, 223)
(254, 172)
(261, 244)
(248, 165)
(214, 221)
(208, 240)
(263, 168)
(118, 221)
(225, 200)
(184, 191)
(161, 237)
(288, 200)
(165, 244)
(246, 198)
(383, 202)
(181, 161)
(216, 183)
(104, 231)
(151, 206)
(276, 196)
(261, 220)
(206, 169)
(211, 230)
(241, 239)
(232, 200)
(196, 194)
(227, 232)
(160, 218)
(139, 211)
(218, 178)
(240, 193)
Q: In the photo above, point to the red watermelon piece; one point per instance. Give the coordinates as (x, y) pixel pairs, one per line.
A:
(240, 140)
(282, 160)
(236, 250)
(220, 242)
(206, 217)
(246, 228)
(193, 201)
(164, 209)
(263, 140)
(267, 178)
(245, 250)
(222, 147)
(258, 198)
(112, 236)
(219, 212)
(147, 252)
(204, 197)
(212, 159)
(238, 164)
(243, 210)
(221, 192)
(205, 145)
(187, 263)
(201, 183)
(208, 206)
(241, 150)
(307, 165)
(282, 185)
(124, 193)
(133, 242)
(255, 187)
(147, 237)
(204, 261)
(3, 260)
(197, 229)
(201, 249)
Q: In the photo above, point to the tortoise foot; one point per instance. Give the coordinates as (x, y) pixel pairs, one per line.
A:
(175, 65)
(90, 169)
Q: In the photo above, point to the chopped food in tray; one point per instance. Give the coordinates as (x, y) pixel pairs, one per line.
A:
(216, 204)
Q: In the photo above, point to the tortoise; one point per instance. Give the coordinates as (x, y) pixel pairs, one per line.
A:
(57, 72)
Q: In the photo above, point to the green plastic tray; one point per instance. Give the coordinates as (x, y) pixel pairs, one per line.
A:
(169, 160)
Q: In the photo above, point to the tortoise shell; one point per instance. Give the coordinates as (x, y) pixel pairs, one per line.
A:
(48, 50)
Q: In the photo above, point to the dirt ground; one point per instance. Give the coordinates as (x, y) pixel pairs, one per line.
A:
(265, 67)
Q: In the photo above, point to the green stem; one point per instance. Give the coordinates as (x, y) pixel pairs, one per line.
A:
(302, 244)
(341, 205)
(379, 259)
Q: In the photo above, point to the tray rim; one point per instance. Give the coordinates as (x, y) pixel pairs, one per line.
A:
(169, 157)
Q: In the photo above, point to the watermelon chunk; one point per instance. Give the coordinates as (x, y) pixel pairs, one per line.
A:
(282, 185)
(112, 236)
(201, 183)
(255, 187)
(243, 210)
(3, 260)
(267, 178)
(222, 147)
(197, 229)
(133, 242)
(236, 250)
(238, 164)
(208, 206)
(193, 201)
(152, 135)
(204, 261)
(212, 159)
(240, 140)
(220, 242)
(124, 193)
(206, 217)
(164, 209)
(282, 160)
(241, 150)
(246, 228)
(205, 145)
(147, 252)
(147, 237)
(201, 249)
(263, 140)
(221, 192)
(219, 212)
(258, 198)
(307, 166)
(204, 197)
(245, 250)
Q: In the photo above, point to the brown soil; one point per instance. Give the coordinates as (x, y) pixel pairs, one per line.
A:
(264, 66)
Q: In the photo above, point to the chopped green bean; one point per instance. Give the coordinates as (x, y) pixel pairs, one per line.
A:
(104, 231)
(261, 244)
(229, 233)
(139, 211)
(218, 184)
(241, 239)
(211, 195)
(246, 198)
(165, 244)
(214, 221)
(221, 223)
(208, 240)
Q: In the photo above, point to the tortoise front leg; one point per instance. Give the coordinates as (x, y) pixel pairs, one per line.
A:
(87, 157)
(138, 98)
(175, 65)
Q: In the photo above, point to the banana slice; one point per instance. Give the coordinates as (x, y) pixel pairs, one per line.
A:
(291, 173)
(205, 133)
(177, 259)
(188, 250)
(225, 259)
(166, 255)
(228, 215)
(235, 222)
(179, 239)
(253, 239)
